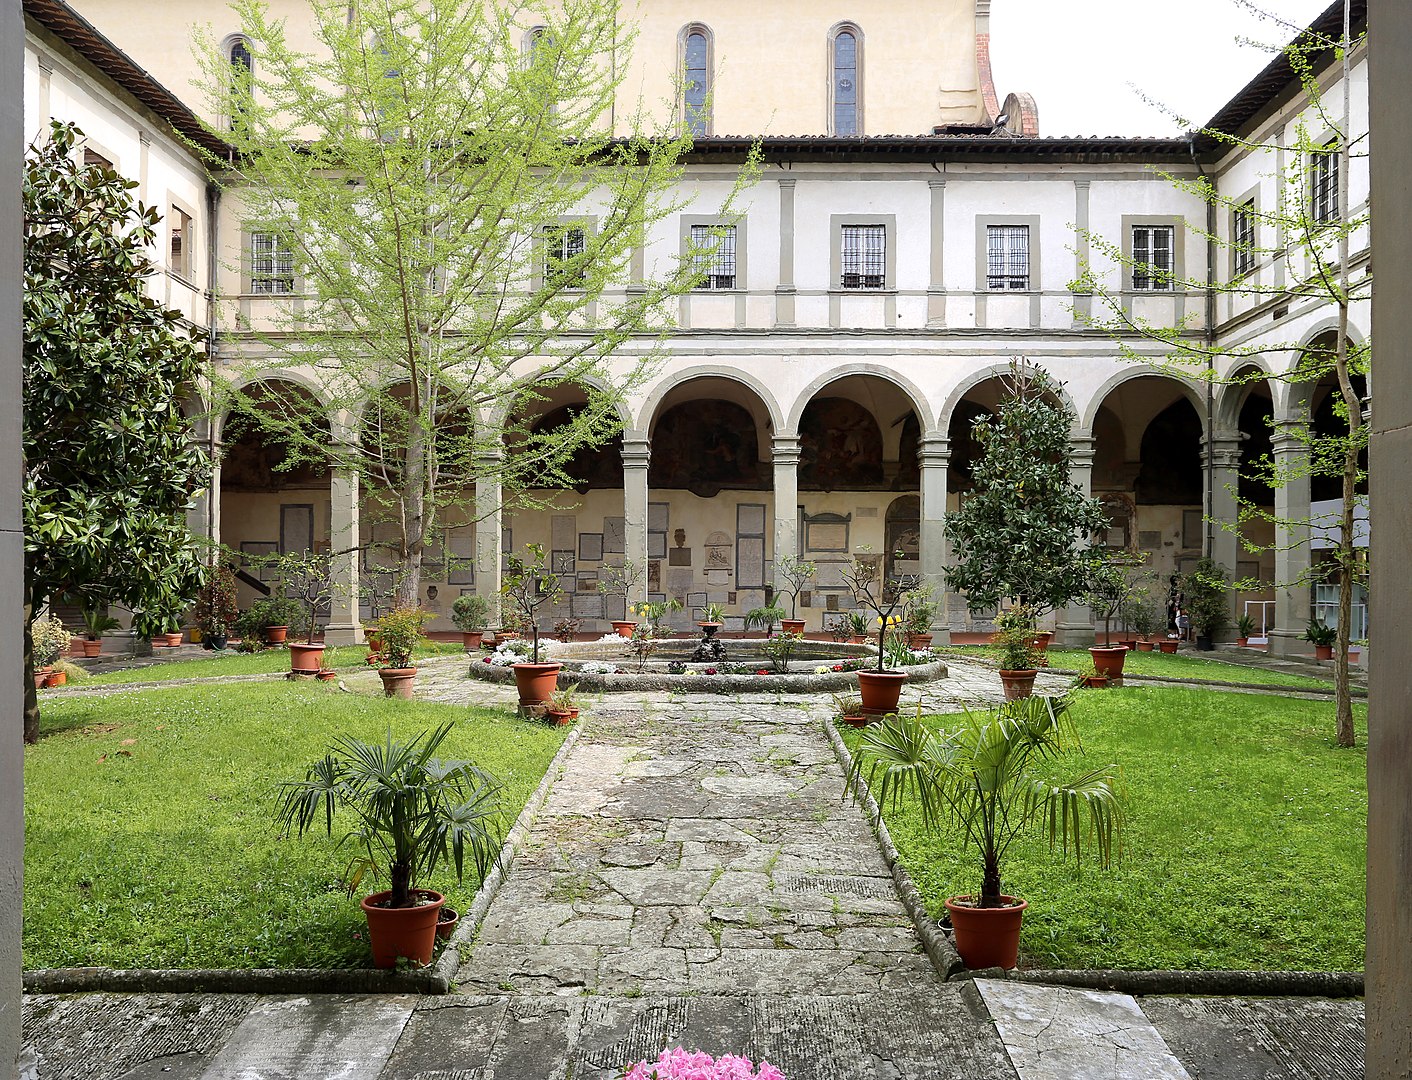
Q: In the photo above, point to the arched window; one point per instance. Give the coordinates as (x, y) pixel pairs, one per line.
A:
(541, 65)
(845, 78)
(696, 79)
(242, 68)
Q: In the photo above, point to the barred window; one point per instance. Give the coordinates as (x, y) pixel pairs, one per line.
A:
(864, 256)
(1152, 257)
(563, 266)
(696, 82)
(1008, 256)
(715, 255)
(1323, 183)
(845, 83)
(1243, 237)
(179, 256)
(271, 264)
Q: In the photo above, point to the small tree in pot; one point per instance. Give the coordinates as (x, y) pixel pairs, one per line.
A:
(1016, 637)
(469, 612)
(985, 780)
(216, 606)
(880, 689)
(621, 581)
(1206, 589)
(414, 813)
(401, 633)
(306, 578)
(528, 586)
(796, 573)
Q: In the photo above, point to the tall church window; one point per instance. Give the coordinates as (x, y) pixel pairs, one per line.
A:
(845, 68)
(696, 79)
(242, 69)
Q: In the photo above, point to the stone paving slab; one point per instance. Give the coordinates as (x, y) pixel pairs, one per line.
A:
(1059, 1033)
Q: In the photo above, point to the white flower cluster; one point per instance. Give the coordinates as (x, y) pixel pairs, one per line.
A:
(506, 654)
(598, 667)
(614, 639)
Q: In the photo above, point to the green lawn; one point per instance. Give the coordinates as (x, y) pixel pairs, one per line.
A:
(1243, 843)
(148, 823)
(270, 661)
(1170, 665)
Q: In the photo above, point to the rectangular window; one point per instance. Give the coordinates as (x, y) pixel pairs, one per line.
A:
(1323, 184)
(1243, 238)
(271, 264)
(1007, 256)
(715, 255)
(1152, 257)
(864, 256)
(180, 257)
(563, 248)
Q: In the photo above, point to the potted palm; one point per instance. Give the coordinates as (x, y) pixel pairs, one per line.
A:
(563, 705)
(620, 582)
(880, 688)
(1245, 629)
(413, 812)
(1322, 637)
(529, 585)
(796, 573)
(217, 607)
(848, 709)
(1015, 636)
(764, 618)
(401, 632)
(469, 612)
(988, 779)
(96, 623)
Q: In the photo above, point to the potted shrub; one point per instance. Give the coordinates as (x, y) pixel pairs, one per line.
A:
(764, 618)
(1110, 588)
(918, 610)
(880, 688)
(413, 811)
(1245, 629)
(1015, 636)
(274, 617)
(621, 581)
(306, 581)
(1093, 679)
(401, 633)
(796, 573)
(857, 625)
(50, 639)
(563, 705)
(990, 779)
(216, 607)
(566, 628)
(1318, 634)
(848, 709)
(528, 586)
(470, 612)
(96, 623)
(1205, 589)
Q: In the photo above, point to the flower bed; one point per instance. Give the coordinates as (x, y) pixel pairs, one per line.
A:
(680, 1064)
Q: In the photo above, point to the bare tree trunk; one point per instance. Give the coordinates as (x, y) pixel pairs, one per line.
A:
(31, 723)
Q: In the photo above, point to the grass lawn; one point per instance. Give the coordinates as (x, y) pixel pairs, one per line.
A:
(149, 836)
(269, 661)
(1243, 844)
(1170, 665)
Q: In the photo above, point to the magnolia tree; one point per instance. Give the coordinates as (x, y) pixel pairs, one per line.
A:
(108, 464)
(1023, 531)
(437, 183)
(1306, 229)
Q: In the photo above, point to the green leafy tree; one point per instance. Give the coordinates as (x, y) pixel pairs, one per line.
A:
(1022, 533)
(1311, 238)
(463, 230)
(108, 468)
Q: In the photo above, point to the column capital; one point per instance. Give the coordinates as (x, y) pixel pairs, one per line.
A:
(934, 452)
(1082, 451)
(490, 455)
(785, 450)
(936, 181)
(637, 453)
(1290, 437)
(787, 181)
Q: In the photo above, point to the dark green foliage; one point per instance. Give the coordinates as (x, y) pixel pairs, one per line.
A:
(1206, 590)
(108, 468)
(1021, 533)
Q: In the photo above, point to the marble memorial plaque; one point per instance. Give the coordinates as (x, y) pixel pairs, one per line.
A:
(656, 545)
(679, 581)
(587, 606)
(826, 535)
(751, 567)
(658, 516)
(591, 547)
(654, 575)
(679, 557)
(562, 530)
(750, 519)
(562, 562)
(614, 534)
(696, 600)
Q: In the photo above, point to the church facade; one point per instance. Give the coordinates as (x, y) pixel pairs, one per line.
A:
(911, 234)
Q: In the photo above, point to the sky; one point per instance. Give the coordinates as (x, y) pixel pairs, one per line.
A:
(1088, 63)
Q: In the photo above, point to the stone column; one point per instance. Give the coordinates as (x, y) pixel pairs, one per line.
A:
(784, 454)
(1074, 625)
(1291, 543)
(344, 627)
(1221, 460)
(488, 530)
(935, 458)
(637, 455)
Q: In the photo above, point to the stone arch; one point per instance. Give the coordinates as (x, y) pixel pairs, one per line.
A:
(982, 375)
(1127, 374)
(920, 405)
(647, 412)
(1232, 392)
(962, 409)
(310, 385)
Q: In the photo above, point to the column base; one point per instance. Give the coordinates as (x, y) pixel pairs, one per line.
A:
(1072, 635)
(344, 635)
(941, 636)
(1288, 643)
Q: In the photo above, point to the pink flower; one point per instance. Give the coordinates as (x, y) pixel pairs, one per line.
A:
(710, 671)
(763, 671)
(838, 667)
(680, 1064)
(487, 660)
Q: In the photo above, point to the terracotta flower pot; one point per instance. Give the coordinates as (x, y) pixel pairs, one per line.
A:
(1144, 646)
(857, 639)
(446, 920)
(624, 629)
(1108, 659)
(1242, 642)
(987, 937)
(1095, 682)
(399, 932)
(792, 626)
(1042, 640)
(880, 691)
(470, 639)
(305, 658)
(397, 682)
(326, 675)
(857, 721)
(40, 674)
(56, 678)
(374, 643)
(536, 682)
(275, 635)
(92, 648)
(919, 641)
(1017, 684)
(559, 717)
(173, 639)
(1167, 646)
(1131, 643)
(1323, 652)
